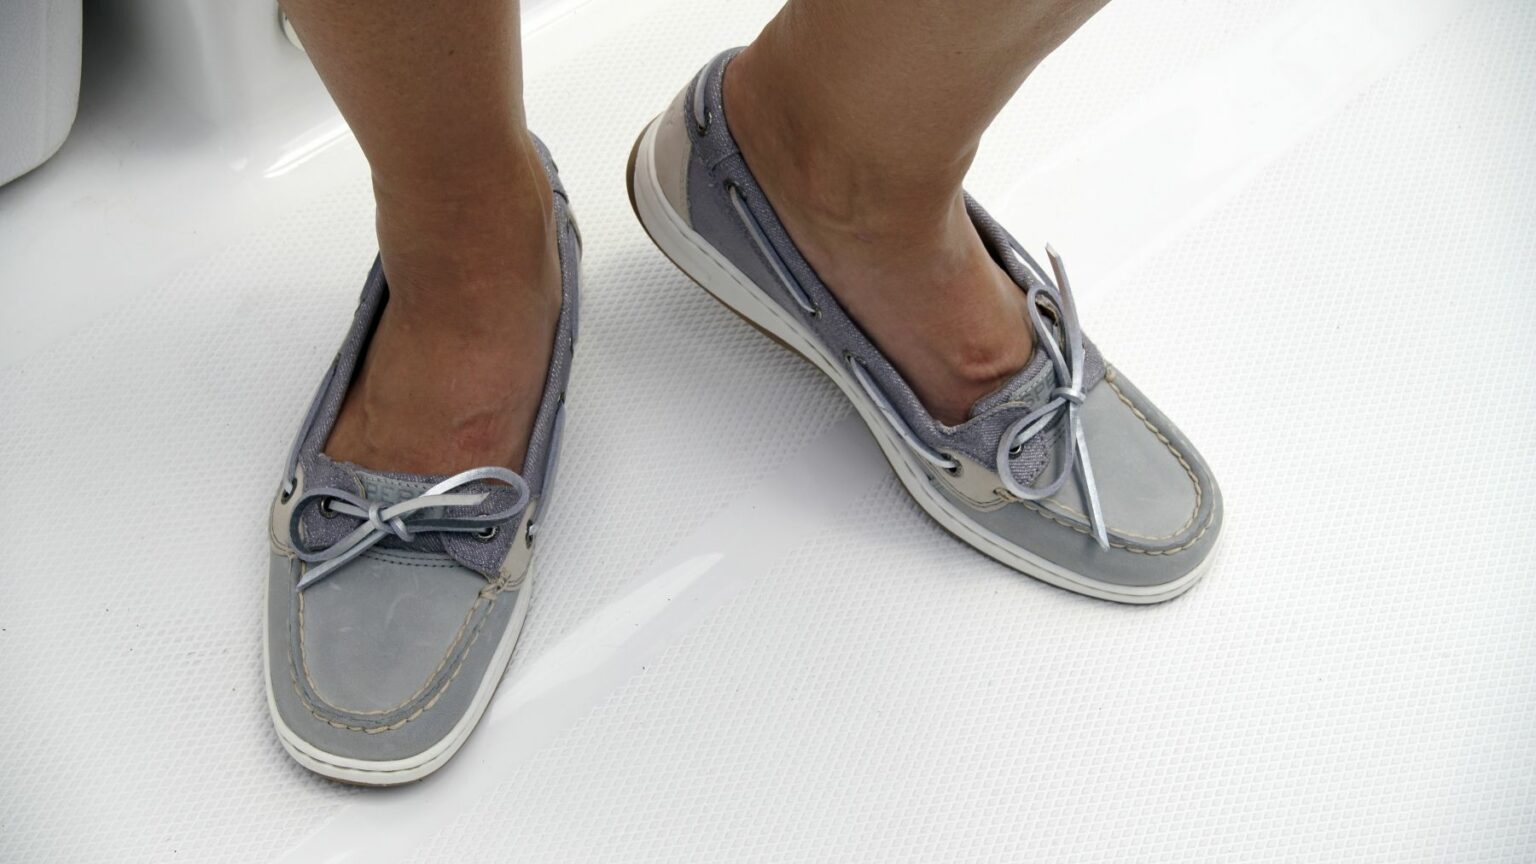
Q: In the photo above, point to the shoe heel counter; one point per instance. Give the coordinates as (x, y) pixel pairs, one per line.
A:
(673, 148)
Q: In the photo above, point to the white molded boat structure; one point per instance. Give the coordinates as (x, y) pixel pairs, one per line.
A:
(39, 80)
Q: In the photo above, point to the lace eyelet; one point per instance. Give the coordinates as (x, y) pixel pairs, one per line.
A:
(325, 508)
(709, 117)
(285, 494)
(954, 468)
(1014, 451)
(486, 535)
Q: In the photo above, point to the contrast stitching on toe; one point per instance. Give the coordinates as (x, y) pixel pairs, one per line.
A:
(488, 596)
(447, 655)
(1139, 550)
(373, 730)
(409, 562)
(1109, 378)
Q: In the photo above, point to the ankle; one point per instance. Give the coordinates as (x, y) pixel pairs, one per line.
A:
(469, 257)
(889, 235)
(830, 171)
(851, 212)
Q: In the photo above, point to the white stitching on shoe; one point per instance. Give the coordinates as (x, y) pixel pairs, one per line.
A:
(1109, 378)
(1139, 550)
(494, 589)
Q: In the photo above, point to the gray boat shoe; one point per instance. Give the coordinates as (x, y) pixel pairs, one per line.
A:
(394, 600)
(1067, 473)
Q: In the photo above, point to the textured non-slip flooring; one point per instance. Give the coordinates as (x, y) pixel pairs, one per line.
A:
(745, 642)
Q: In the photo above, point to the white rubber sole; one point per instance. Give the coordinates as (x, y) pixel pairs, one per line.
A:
(362, 772)
(714, 273)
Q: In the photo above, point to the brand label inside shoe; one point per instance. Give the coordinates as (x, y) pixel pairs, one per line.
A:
(388, 490)
(1033, 392)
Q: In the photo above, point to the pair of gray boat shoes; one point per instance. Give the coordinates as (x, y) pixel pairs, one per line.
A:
(394, 600)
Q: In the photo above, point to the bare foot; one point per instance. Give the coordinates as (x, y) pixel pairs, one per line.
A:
(905, 262)
(453, 376)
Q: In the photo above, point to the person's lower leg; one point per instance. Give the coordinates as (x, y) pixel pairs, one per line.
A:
(433, 91)
(860, 119)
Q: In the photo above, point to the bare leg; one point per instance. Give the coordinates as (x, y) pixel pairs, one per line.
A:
(860, 118)
(433, 90)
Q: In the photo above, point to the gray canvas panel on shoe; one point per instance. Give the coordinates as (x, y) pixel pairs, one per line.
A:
(398, 639)
(1161, 505)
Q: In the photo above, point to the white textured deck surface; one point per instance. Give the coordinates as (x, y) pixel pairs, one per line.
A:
(1309, 229)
